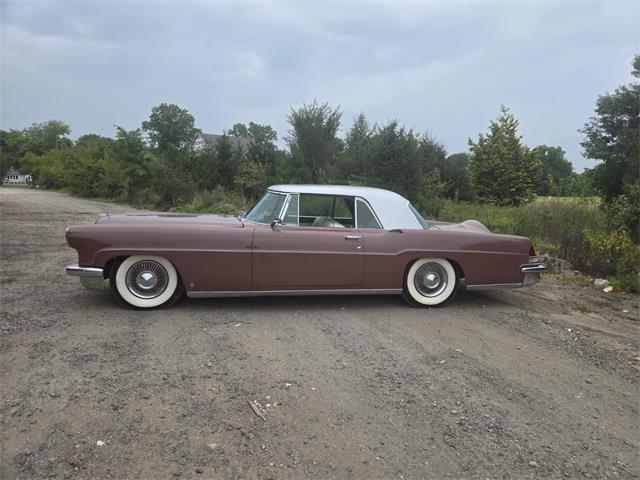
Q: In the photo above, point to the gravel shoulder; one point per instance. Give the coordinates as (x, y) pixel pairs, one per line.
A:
(531, 383)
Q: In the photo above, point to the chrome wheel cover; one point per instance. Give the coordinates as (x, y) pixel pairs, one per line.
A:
(430, 280)
(147, 279)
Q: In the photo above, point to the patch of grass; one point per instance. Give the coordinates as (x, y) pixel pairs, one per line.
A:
(495, 218)
(582, 308)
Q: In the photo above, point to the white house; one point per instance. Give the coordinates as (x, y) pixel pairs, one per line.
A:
(15, 178)
(201, 140)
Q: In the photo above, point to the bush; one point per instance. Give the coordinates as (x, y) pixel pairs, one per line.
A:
(573, 229)
(560, 224)
(218, 200)
(615, 253)
(624, 212)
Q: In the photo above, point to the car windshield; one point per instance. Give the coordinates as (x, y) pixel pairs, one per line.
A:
(267, 209)
(426, 225)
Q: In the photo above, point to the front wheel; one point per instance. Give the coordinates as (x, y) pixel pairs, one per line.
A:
(429, 282)
(143, 281)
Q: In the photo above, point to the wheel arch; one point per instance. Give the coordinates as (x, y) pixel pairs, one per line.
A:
(456, 267)
(117, 259)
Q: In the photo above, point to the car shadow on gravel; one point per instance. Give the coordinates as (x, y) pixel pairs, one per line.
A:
(321, 303)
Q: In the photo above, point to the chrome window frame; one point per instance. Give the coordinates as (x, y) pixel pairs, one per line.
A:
(409, 205)
(355, 198)
(375, 215)
(279, 216)
(283, 213)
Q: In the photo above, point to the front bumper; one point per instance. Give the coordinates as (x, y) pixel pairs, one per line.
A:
(91, 278)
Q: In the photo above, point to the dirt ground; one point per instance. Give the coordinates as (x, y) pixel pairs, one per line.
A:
(532, 383)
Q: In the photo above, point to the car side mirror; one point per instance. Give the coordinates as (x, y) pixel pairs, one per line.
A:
(275, 224)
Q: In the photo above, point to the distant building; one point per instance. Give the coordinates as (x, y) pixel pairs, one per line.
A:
(15, 178)
(201, 140)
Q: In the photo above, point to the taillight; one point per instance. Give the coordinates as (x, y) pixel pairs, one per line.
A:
(532, 252)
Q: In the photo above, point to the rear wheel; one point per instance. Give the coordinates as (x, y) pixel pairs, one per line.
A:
(430, 282)
(143, 281)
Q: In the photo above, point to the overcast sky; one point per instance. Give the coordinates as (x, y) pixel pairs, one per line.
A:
(442, 67)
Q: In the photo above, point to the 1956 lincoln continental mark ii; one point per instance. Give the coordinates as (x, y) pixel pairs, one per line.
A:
(298, 240)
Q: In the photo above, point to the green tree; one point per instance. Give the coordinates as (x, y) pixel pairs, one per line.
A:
(27, 149)
(251, 179)
(456, 176)
(239, 130)
(173, 186)
(93, 139)
(169, 127)
(503, 170)
(313, 140)
(50, 169)
(203, 166)
(227, 161)
(581, 184)
(13, 147)
(353, 163)
(49, 135)
(432, 153)
(556, 172)
(394, 161)
(130, 152)
(262, 149)
(92, 171)
(611, 136)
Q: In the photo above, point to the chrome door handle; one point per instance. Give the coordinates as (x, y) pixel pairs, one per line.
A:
(355, 238)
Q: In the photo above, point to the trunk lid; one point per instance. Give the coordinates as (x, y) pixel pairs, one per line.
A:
(467, 225)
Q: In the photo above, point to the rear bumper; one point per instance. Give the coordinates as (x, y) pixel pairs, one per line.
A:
(532, 273)
(91, 278)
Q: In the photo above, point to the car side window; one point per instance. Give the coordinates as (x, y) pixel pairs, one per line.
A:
(291, 215)
(326, 211)
(365, 217)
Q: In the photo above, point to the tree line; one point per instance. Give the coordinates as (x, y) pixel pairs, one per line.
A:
(154, 165)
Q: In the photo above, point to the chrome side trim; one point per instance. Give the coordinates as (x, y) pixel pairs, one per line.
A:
(278, 293)
(493, 285)
(76, 270)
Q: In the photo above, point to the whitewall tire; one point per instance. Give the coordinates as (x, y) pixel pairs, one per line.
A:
(430, 282)
(145, 281)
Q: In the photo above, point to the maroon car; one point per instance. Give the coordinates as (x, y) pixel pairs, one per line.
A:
(298, 240)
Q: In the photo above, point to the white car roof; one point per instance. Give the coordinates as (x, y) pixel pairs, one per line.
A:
(392, 209)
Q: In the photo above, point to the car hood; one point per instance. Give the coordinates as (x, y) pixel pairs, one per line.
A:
(171, 218)
(467, 225)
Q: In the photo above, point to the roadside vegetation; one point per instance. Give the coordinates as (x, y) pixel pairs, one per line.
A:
(590, 219)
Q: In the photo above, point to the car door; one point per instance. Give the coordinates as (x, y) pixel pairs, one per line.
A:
(300, 256)
(383, 268)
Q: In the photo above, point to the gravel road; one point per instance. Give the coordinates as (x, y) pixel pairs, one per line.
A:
(531, 383)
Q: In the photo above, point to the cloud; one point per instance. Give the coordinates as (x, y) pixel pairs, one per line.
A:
(436, 66)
